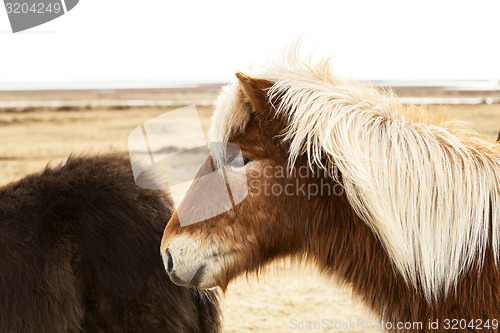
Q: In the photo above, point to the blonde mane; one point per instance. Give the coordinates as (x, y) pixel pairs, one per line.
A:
(428, 190)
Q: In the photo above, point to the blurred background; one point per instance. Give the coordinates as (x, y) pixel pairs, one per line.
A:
(81, 83)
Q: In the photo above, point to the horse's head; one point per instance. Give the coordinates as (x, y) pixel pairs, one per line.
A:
(270, 222)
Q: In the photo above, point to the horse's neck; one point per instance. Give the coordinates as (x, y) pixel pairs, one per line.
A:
(345, 247)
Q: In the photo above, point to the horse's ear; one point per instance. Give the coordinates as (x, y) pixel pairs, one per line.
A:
(255, 91)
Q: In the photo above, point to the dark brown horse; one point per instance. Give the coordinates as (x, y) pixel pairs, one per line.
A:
(79, 253)
(389, 199)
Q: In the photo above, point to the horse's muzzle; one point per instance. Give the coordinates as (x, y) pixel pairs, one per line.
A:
(191, 277)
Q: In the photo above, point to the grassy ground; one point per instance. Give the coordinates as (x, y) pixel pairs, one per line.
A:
(283, 297)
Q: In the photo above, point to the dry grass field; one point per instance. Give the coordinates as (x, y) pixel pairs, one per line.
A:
(284, 295)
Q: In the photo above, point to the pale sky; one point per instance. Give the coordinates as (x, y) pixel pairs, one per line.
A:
(155, 43)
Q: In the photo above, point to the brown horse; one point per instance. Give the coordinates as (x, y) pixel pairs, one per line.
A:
(393, 200)
(78, 254)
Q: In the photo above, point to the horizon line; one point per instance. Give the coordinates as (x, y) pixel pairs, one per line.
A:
(484, 84)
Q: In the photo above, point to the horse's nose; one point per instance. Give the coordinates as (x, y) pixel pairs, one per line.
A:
(169, 262)
(184, 277)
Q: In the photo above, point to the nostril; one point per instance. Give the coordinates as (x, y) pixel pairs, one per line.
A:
(170, 262)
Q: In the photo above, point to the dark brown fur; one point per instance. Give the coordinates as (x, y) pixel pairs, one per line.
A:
(327, 231)
(79, 252)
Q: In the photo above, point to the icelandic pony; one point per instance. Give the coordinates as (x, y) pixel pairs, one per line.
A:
(79, 253)
(412, 222)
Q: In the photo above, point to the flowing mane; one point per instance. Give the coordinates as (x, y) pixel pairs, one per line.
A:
(427, 188)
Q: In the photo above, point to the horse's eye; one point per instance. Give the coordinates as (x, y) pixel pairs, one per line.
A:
(237, 160)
